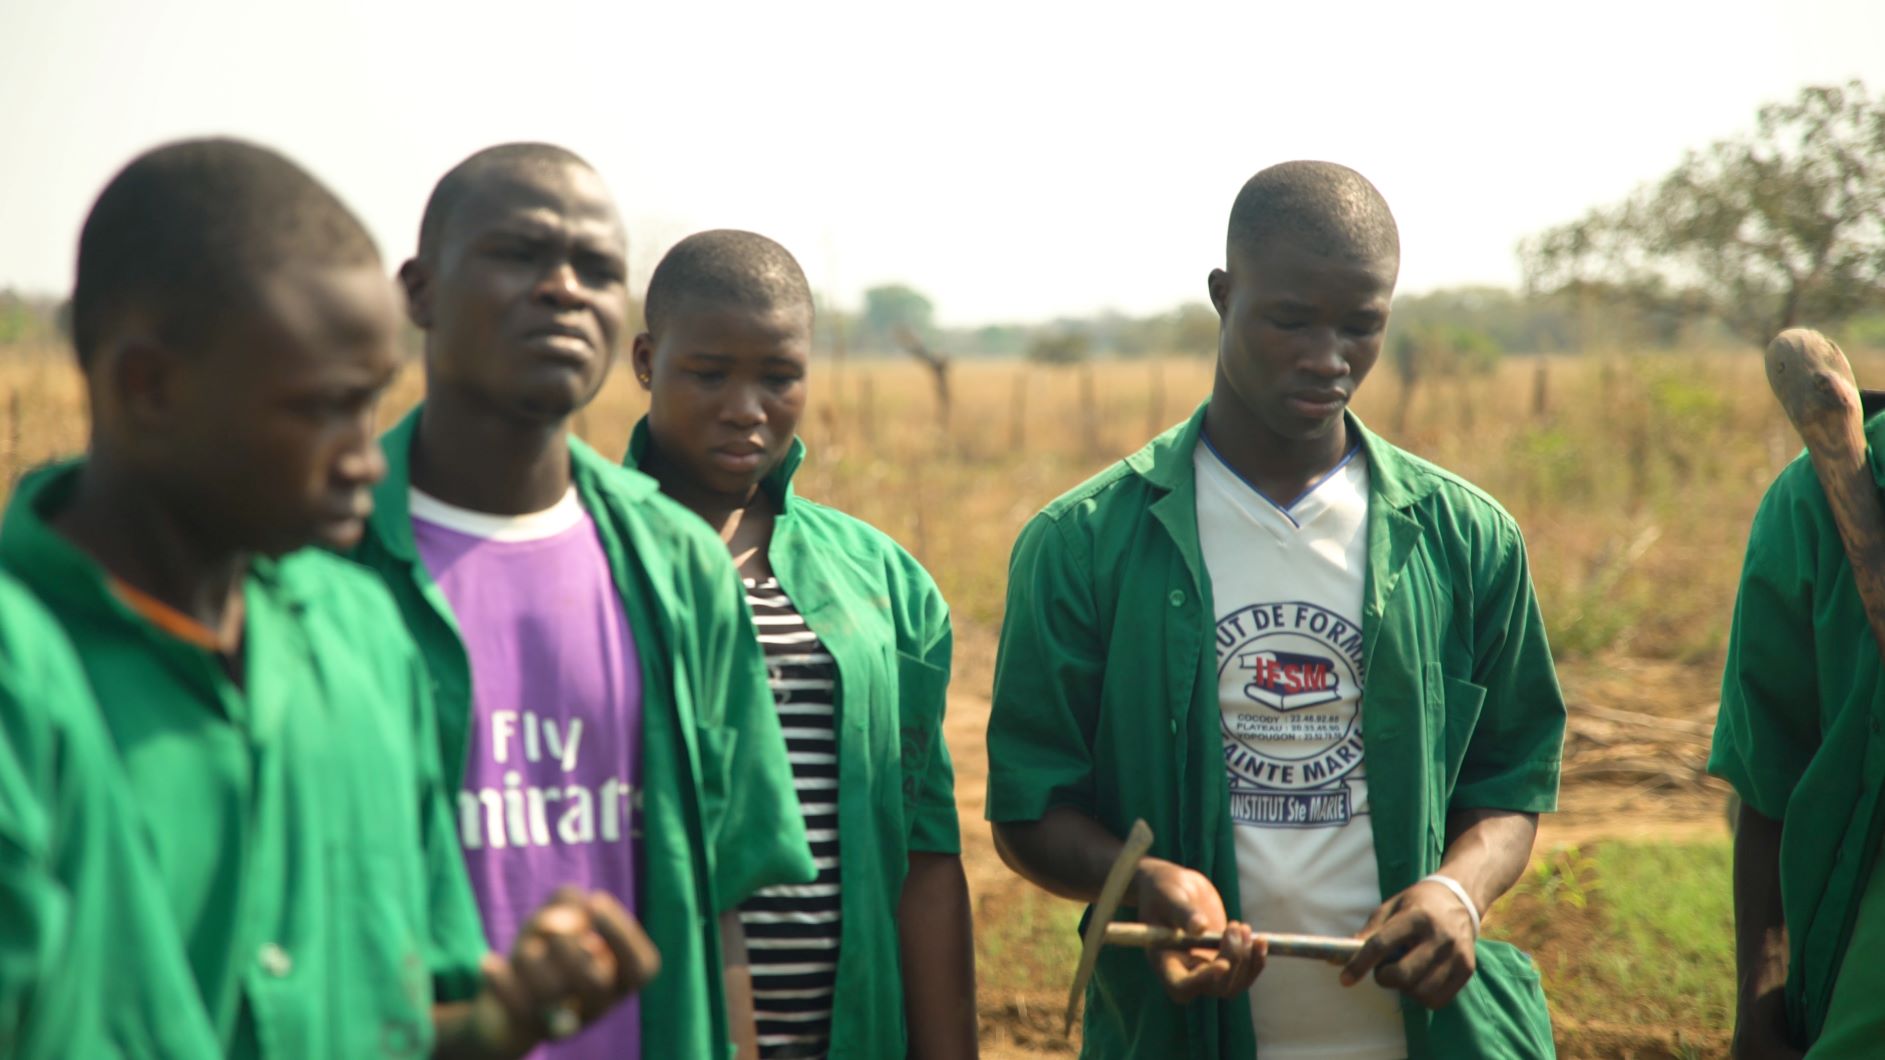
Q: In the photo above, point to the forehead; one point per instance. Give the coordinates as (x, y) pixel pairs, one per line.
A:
(309, 319)
(699, 324)
(1281, 269)
(547, 197)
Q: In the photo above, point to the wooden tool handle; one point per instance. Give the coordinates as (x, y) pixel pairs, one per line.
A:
(1810, 376)
(1318, 947)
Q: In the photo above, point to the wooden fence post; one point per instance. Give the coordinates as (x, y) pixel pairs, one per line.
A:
(1018, 412)
(1089, 411)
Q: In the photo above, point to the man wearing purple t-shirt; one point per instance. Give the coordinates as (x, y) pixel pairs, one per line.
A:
(604, 715)
(553, 769)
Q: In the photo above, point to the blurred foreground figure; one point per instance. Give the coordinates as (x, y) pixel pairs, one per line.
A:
(1799, 737)
(90, 962)
(1311, 661)
(236, 330)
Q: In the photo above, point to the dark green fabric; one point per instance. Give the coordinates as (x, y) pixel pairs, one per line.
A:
(1855, 1014)
(1106, 701)
(299, 823)
(90, 961)
(885, 624)
(719, 815)
(1799, 731)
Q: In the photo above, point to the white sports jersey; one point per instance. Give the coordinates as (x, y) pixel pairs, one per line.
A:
(1287, 581)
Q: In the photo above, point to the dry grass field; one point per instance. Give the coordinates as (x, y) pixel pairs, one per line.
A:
(1634, 478)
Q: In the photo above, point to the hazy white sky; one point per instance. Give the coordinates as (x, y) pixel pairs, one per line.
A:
(1014, 160)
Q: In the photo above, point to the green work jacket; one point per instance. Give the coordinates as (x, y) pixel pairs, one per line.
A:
(90, 961)
(1106, 701)
(1801, 732)
(719, 815)
(299, 822)
(885, 624)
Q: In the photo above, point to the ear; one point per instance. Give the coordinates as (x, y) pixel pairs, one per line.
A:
(1219, 285)
(141, 378)
(415, 278)
(642, 357)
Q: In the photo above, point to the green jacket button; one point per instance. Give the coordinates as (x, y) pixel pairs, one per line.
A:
(1178, 598)
(275, 961)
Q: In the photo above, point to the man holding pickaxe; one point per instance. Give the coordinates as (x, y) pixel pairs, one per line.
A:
(1801, 732)
(1271, 672)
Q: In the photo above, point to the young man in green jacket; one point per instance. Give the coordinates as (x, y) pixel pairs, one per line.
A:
(1801, 736)
(876, 958)
(236, 330)
(90, 963)
(1187, 640)
(603, 705)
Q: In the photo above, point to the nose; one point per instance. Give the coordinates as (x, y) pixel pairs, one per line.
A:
(743, 407)
(560, 287)
(1323, 357)
(362, 463)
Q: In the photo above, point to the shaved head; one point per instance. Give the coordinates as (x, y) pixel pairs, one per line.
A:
(1319, 206)
(184, 234)
(725, 268)
(492, 162)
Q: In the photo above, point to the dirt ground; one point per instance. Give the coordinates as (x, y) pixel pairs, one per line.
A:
(1634, 757)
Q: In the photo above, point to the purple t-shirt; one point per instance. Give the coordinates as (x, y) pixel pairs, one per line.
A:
(552, 787)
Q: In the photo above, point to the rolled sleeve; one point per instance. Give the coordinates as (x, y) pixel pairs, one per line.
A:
(1513, 755)
(929, 775)
(1048, 674)
(1767, 730)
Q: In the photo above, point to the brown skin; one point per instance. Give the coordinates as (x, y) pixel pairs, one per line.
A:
(522, 306)
(727, 388)
(1761, 951)
(1069, 854)
(1299, 331)
(259, 441)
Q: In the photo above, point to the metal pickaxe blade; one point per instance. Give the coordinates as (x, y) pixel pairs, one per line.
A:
(1102, 932)
(1138, 841)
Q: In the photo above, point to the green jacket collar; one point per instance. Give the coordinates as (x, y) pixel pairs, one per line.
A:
(391, 521)
(59, 569)
(778, 482)
(1165, 462)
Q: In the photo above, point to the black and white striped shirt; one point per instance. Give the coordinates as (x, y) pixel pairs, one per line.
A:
(792, 932)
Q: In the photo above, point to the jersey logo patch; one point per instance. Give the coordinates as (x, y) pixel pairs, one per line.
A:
(1287, 680)
(1290, 764)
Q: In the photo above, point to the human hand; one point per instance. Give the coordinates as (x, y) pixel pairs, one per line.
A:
(1170, 895)
(1419, 942)
(575, 958)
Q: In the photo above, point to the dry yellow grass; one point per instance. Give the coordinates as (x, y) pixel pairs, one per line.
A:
(1634, 478)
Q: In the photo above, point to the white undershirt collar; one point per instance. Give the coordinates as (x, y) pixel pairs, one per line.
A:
(531, 526)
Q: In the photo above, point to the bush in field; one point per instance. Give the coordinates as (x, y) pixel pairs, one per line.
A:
(1762, 232)
(1062, 346)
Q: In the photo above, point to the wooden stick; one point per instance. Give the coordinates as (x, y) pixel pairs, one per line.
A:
(1810, 376)
(1317, 947)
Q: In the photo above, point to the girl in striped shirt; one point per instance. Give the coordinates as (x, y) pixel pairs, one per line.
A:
(874, 958)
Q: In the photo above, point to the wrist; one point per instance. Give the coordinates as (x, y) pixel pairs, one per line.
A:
(1144, 875)
(1459, 891)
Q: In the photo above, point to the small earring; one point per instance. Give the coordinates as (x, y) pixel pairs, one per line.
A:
(645, 377)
